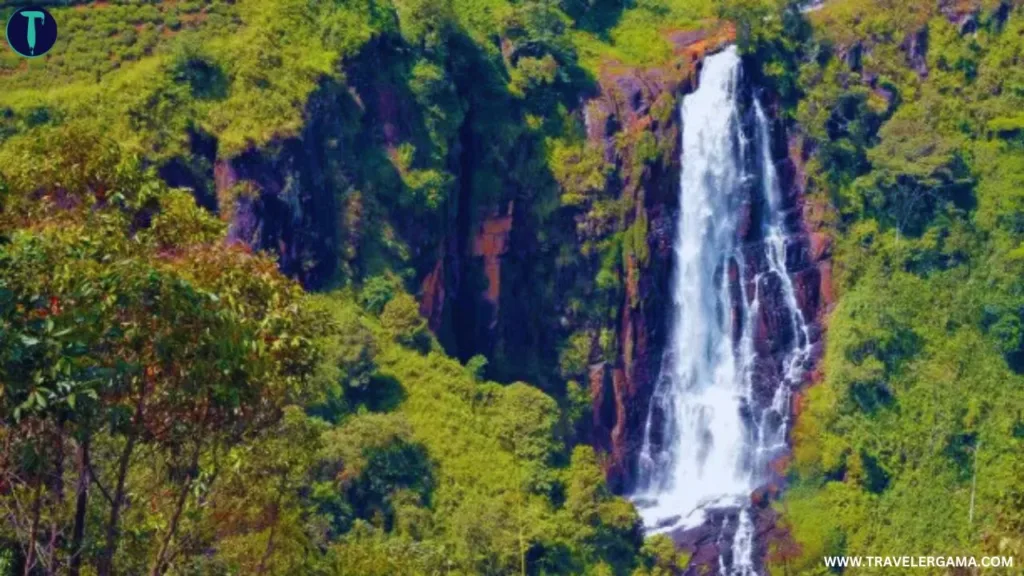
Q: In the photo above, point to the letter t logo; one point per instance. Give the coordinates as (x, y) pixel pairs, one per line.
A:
(32, 17)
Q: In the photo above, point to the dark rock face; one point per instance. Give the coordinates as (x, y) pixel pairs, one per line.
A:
(808, 268)
(490, 244)
(280, 198)
(916, 49)
(633, 99)
(195, 173)
(710, 544)
(273, 205)
(302, 198)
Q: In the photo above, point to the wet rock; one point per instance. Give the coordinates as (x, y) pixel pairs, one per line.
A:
(968, 24)
(736, 299)
(916, 48)
(765, 378)
(820, 246)
(798, 255)
(630, 100)
(661, 228)
(791, 219)
(755, 264)
(745, 221)
(710, 544)
(490, 244)
(433, 292)
(764, 495)
(791, 179)
(806, 284)
(773, 333)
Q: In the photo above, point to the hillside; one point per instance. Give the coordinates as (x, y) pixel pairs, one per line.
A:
(911, 439)
(168, 409)
(380, 287)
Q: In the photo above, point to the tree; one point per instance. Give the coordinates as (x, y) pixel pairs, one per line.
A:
(348, 351)
(269, 526)
(115, 338)
(376, 293)
(661, 557)
(426, 24)
(601, 526)
(401, 319)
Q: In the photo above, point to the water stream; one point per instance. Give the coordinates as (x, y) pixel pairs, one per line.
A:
(707, 439)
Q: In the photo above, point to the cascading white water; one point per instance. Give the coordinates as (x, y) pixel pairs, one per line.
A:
(705, 381)
(772, 438)
(706, 442)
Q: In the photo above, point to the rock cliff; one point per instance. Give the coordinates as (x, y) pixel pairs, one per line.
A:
(486, 280)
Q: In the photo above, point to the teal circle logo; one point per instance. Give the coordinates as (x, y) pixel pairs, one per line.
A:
(31, 31)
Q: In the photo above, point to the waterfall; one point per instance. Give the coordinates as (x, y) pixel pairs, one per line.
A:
(707, 438)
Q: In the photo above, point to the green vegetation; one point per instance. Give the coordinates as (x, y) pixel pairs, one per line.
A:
(406, 120)
(96, 39)
(912, 441)
(636, 36)
(243, 71)
(149, 70)
(174, 403)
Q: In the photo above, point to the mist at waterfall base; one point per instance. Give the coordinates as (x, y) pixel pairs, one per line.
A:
(707, 439)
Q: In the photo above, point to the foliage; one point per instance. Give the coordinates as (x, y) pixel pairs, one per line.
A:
(173, 404)
(662, 557)
(262, 430)
(477, 366)
(921, 396)
(401, 318)
(576, 355)
(581, 171)
(376, 293)
(495, 504)
(603, 526)
(95, 40)
(268, 526)
(631, 33)
(366, 140)
(389, 123)
(114, 342)
(345, 372)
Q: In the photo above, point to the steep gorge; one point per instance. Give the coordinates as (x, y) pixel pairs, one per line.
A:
(489, 285)
(471, 275)
(489, 268)
(644, 237)
(742, 341)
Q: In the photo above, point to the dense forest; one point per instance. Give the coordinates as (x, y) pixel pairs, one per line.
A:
(914, 438)
(367, 287)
